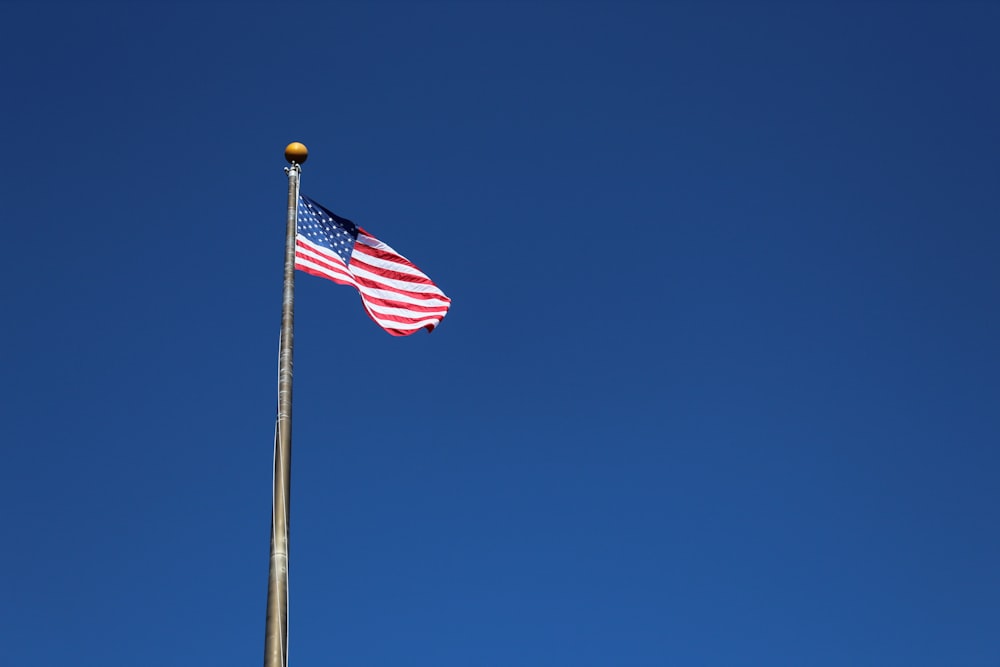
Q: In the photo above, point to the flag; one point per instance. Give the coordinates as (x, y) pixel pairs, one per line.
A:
(394, 292)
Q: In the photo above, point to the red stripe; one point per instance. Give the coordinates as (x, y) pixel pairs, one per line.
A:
(326, 258)
(323, 261)
(399, 318)
(408, 332)
(328, 254)
(420, 312)
(379, 301)
(332, 262)
(342, 276)
(387, 303)
(361, 249)
(389, 273)
(393, 255)
(324, 275)
(423, 296)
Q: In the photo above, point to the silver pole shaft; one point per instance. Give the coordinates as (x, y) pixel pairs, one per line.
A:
(276, 629)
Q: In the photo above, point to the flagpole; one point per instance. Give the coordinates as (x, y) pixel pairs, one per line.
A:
(276, 627)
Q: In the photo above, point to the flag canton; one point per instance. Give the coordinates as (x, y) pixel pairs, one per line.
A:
(326, 229)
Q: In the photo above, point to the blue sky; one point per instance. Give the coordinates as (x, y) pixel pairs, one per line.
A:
(719, 385)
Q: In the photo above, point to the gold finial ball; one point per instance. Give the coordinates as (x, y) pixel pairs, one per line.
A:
(296, 152)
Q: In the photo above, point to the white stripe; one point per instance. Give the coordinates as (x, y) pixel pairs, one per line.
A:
(321, 257)
(396, 296)
(402, 312)
(344, 272)
(368, 240)
(364, 289)
(390, 324)
(318, 250)
(326, 271)
(361, 256)
(324, 256)
(416, 288)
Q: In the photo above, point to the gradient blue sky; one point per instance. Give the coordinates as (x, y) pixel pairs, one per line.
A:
(720, 385)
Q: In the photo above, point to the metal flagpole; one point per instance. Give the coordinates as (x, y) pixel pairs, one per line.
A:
(276, 628)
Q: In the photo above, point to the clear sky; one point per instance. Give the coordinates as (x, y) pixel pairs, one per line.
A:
(720, 384)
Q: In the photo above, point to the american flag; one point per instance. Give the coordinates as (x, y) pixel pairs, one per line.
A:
(396, 294)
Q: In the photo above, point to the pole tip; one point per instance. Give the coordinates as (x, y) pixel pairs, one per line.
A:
(296, 153)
